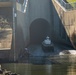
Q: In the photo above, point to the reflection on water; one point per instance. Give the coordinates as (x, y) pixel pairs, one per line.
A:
(30, 69)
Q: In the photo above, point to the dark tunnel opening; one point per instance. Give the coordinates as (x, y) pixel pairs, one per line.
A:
(38, 31)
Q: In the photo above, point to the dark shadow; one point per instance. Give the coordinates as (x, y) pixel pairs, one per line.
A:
(74, 39)
(18, 41)
(39, 29)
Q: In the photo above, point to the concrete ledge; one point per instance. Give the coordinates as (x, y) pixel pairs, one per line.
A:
(69, 52)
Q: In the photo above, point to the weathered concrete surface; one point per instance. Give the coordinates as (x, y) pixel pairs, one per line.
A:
(42, 14)
(35, 10)
(68, 19)
(38, 13)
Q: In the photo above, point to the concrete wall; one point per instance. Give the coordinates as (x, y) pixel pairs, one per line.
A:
(38, 9)
(38, 13)
(68, 20)
(18, 42)
(19, 33)
(59, 17)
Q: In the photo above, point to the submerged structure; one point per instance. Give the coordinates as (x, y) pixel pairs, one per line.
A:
(25, 22)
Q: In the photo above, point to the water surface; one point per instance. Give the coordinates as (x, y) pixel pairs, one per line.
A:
(49, 69)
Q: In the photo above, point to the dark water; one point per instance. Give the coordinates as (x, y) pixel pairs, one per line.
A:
(49, 69)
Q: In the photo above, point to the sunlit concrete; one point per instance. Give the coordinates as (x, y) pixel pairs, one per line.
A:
(71, 52)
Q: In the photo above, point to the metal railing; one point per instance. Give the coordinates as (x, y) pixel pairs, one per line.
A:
(66, 5)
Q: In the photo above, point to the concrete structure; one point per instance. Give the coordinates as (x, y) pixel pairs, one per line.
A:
(68, 19)
(32, 22)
